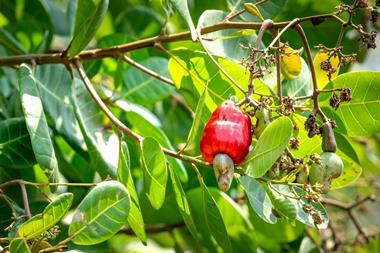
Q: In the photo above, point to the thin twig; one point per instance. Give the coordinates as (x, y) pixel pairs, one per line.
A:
(25, 200)
(349, 208)
(121, 125)
(278, 67)
(268, 23)
(218, 65)
(147, 70)
(289, 25)
(305, 42)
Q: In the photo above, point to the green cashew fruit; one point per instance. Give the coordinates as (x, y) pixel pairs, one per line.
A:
(303, 174)
(330, 167)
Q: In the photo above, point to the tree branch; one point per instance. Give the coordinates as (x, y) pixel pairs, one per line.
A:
(115, 51)
(146, 70)
(120, 124)
(349, 208)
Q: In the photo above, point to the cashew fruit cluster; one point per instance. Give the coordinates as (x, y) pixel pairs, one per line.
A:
(225, 141)
(329, 167)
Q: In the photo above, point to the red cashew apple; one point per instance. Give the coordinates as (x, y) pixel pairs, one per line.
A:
(225, 141)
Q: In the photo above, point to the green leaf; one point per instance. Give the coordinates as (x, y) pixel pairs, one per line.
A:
(214, 219)
(147, 124)
(258, 199)
(281, 231)
(225, 43)
(269, 147)
(10, 42)
(146, 22)
(301, 215)
(142, 88)
(89, 16)
(19, 245)
(102, 144)
(135, 218)
(234, 219)
(15, 146)
(62, 15)
(51, 215)
(101, 213)
(155, 172)
(197, 125)
(183, 9)
(192, 71)
(36, 123)
(284, 205)
(360, 115)
(54, 84)
(183, 204)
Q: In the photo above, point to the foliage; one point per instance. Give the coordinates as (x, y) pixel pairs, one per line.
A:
(103, 105)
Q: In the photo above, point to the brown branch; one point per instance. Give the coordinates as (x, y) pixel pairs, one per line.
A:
(220, 67)
(268, 23)
(278, 67)
(115, 51)
(120, 124)
(24, 193)
(349, 208)
(305, 42)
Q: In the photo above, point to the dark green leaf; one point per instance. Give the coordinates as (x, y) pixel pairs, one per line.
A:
(214, 219)
(89, 16)
(100, 214)
(10, 42)
(54, 84)
(102, 144)
(196, 128)
(183, 9)
(36, 123)
(183, 204)
(15, 146)
(135, 218)
(19, 245)
(147, 124)
(155, 172)
(258, 199)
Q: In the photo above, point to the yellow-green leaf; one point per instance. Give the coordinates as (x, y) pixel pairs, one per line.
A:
(251, 8)
(291, 64)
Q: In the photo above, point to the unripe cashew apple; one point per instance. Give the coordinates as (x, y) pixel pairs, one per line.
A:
(330, 167)
(225, 141)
